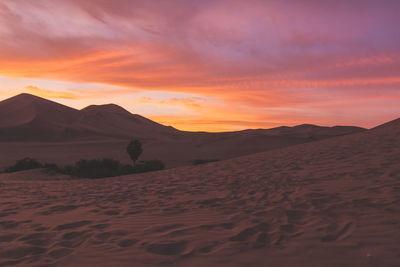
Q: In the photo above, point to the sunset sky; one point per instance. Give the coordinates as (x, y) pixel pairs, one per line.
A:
(209, 65)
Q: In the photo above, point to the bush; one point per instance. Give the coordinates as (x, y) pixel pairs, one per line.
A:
(52, 166)
(96, 168)
(24, 164)
(126, 169)
(203, 161)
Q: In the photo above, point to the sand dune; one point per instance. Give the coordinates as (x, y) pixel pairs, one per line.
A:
(334, 202)
(35, 127)
(25, 108)
(31, 118)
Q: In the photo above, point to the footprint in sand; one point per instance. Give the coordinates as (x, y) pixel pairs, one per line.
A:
(112, 212)
(41, 229)
(227, 226)
(169, 248)
(20, 252)
(295, 216)
(8, 212)
(10, 263)
(74, 239)
(38, 239)
(9, 224)
(59, 209)
(250, 231)
(59, 253)
(208, 247)
(110, 236)
(287, 228)
(72, 225)
(166, 228)
(343, 233)
(104, 236)
(100, 226)
(8, 238)
(127, 242)
(210, 203)
(73, 235)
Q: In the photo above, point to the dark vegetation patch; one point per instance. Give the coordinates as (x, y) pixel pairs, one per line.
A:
(24, 164)
(94, 168)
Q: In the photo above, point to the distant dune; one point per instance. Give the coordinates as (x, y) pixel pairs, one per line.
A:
(334, 202)
(31, 118)
(36, 127)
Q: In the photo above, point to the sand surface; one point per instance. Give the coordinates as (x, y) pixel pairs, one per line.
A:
(328, 203)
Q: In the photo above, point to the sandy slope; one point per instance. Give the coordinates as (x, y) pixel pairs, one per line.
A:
(334, 202)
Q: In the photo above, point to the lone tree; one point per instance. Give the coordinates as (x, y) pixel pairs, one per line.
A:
(134, 150)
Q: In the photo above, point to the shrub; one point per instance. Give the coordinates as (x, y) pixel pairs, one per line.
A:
(134, 150)
(52, 166)
(24, 164)
(96, 168)
(68, 169)
(126, 169)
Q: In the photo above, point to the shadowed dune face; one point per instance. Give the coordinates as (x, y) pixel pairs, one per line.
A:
(114, 121)
(25, 108)
(330, 203)
(51, 132)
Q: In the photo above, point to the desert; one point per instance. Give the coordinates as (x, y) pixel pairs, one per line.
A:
(229, 133)
(32, 126)
(331, 202)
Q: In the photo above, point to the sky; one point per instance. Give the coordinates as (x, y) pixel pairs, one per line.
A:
(217, 65)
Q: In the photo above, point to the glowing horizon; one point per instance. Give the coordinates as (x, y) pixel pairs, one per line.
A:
(209, 65)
